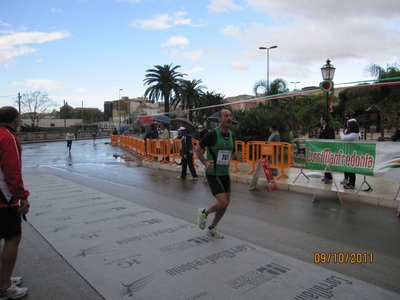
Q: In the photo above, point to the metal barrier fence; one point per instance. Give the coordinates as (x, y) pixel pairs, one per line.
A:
(279, 154)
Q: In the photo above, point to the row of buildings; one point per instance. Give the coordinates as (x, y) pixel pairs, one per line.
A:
(117, 112)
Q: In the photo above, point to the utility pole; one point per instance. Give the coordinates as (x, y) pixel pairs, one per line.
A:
(65, 116)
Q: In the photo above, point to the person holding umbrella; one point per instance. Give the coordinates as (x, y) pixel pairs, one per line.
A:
(187, 154)
(220, 146)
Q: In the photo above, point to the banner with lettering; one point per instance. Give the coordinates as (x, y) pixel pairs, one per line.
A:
(371, 158)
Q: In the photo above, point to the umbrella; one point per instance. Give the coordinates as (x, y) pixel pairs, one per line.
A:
(214, 118)
(178, 122)
(161, 119)
(145, 120)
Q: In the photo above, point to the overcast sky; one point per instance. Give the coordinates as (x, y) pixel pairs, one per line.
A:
(87, 50)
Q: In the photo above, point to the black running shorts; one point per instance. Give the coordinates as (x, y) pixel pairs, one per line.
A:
(10, 222)
(219, 184)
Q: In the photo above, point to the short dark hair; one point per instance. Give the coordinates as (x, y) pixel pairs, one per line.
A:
(220, 111)
(8, 114)
(353, 127)
(326, 118)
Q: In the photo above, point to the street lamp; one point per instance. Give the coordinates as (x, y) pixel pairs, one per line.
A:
(119, 110)
(295, 84)
(327, 71)
(267, 48)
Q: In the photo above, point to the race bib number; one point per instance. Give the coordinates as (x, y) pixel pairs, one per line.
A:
(224, 156)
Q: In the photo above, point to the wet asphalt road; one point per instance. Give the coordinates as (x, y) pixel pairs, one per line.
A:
(281, 221)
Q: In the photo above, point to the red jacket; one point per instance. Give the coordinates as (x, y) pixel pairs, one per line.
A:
(11, 183)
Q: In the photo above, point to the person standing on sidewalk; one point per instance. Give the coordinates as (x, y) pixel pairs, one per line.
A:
(220, 146)
(274, 137)
(187, 155)
(14, 202)
(326, 132)
(352, 133)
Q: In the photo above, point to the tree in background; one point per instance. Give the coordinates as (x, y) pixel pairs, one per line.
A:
(164, 84)
(206, 100)
(387, 98)
(191, 92)
(35, 105)
(277, 86)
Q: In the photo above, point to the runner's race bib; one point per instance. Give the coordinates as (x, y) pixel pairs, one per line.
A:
(224, 156)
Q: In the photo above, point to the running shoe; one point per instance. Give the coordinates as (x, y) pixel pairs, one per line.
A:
(14, 292)
(201, 219)
(180, 177)
(348, 186)
(344, 181)
(214, 233)
(193, 178)
(16, 280)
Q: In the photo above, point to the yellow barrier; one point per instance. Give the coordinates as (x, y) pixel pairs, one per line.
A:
(114, 140)
(240, 146)
(281, 157)
(194, 144)
(278, 153)
(176, 148)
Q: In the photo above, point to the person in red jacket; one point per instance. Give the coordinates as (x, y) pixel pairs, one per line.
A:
(13, 202)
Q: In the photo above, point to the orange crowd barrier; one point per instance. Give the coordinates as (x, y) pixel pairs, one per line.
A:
(176, 147)
(279, 154)
(114, 140)
(240, 147)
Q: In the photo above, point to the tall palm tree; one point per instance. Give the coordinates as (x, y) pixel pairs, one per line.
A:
(164, 83)
(191, 91)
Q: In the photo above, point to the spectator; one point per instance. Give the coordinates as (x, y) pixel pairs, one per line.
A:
(146, 134)
(13, 202)
(153, 132)
(352, 133)
(274, 137)
(165, 135)
(187, 155)
(164, 131)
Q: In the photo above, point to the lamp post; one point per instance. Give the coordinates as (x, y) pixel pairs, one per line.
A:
(295, 84)
(267, 48)
(119, 106)
(328, 71)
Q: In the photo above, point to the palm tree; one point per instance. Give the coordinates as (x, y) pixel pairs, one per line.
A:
(164, 83)
(209, 101)
(277, 86)
(190, 95)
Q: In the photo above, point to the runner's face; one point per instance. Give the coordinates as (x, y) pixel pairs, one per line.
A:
(226, 118)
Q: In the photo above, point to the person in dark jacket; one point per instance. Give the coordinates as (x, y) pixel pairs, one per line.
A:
(187, 154)
(326, 132)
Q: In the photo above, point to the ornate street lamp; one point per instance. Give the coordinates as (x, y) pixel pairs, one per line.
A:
(328, 72)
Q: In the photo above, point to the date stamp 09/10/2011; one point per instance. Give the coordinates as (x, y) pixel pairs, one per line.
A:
(343, 258)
